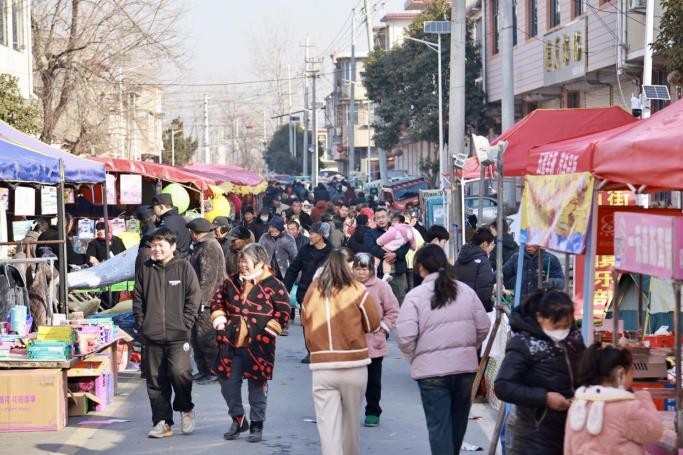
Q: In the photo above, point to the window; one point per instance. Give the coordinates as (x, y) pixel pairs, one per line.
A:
(494, 26)
(17, 25)
(553, 13)
(514, 23)
(577, 8)
(573, 100)
(532, 18)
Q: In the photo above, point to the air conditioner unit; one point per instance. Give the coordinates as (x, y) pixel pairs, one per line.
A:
(638, 6)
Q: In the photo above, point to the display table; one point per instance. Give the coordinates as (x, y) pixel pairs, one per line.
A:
(35, 394)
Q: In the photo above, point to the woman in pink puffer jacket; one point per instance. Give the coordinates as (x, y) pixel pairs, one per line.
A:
(380, 291)
(605, 418)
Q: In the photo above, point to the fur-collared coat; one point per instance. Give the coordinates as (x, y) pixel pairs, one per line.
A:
(262, 312)
(208, 263)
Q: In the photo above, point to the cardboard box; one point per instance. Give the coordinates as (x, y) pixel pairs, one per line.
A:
(32, 400)
(81, 403)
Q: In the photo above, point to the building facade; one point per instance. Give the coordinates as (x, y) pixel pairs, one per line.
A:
(16, 57)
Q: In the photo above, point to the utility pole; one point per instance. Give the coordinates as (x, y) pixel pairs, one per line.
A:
(456, 109)
(368, 164)
(289, 117)
(647, 57)
(381, 153)
(207, 145)
(508, 98)
(314, 158)
(352, 105)
(305, 156)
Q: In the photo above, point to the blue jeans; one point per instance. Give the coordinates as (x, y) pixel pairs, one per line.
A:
(446, 402)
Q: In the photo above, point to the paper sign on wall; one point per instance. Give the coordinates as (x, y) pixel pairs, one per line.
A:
(24, 201)
(131, 189)
(20, 229)
(111, 190)
(48, 200)
(69, 196)
(86, 229)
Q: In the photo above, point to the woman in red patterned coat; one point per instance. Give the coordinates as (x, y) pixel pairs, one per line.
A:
(248, 312)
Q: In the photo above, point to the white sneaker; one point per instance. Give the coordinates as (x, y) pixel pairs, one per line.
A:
(387, 277)
(187, 422)
(160, 430)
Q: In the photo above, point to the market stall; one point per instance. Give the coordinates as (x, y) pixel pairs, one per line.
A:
(232, 179)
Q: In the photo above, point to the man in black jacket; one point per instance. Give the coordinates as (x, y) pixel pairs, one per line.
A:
(307, 262)
(552, 276)
(474, 269)
(167, 216)
(208, 263)
(145, 215)
(399, 284)
(166, 299)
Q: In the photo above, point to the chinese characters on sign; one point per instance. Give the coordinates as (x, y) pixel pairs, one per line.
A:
(551, 163)
(604, 286)
(6, 399)
(564, 53)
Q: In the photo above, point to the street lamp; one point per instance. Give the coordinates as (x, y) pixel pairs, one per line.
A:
(439, 28)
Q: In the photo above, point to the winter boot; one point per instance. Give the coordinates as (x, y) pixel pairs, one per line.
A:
(255, 432)
(239, 425)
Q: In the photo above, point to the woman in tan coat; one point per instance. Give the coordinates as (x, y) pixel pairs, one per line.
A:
(337, 312)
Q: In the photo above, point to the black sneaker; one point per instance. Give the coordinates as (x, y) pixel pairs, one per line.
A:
(239, 425)
(207, 379)
(306, 359)
(255, 432)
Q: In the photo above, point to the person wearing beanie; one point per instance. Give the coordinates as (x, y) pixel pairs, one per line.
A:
(222, 229)
(168, 217)
(249, 218)
(280, 246)
(260, 226)
(145, 215)
(357, 239)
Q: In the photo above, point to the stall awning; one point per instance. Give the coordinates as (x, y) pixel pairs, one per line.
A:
(157, 171)
(76, 169)
(650, 153)
(232, 179)
(20, 165)
(544, 126)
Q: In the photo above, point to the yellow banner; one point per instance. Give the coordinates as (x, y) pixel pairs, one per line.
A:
(555, 211)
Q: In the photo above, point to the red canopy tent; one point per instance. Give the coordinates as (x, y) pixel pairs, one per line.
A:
(544, 126)
(157, 171)
(231, 178)
(650, 153)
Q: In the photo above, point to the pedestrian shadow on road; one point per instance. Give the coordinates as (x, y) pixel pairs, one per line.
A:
(65, 449)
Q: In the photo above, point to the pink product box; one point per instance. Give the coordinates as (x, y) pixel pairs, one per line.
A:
(104, 390)
(649, 244)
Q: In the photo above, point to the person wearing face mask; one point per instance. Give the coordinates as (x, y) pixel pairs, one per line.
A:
(260, 226)
(249, 312)
(474, 268)
(605, 417)
(538, 374)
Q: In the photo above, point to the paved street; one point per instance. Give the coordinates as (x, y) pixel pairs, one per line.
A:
(289, 428)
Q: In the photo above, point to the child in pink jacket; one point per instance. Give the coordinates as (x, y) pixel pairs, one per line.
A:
(397, 235)
(605, 418)
(384, 298)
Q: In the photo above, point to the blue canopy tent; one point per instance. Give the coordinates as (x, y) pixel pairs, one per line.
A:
(76, 169)
(20, 165)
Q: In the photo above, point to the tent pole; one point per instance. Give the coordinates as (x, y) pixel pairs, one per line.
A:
(520, 272)
(61, 228)
(201, 203)
(615, 308)
(677, 364)
(105, 213)
(589, 272)
(641, 330)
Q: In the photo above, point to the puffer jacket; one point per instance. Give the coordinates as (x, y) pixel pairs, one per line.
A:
(552, 272)
(474, 269)
(611, 421)
(177, 224)
(357, 240)
(444, 341)
(388, 309)
(281, 249)
(208, 263)
(533, 366)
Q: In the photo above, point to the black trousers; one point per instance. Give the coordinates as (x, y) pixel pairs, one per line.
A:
(168, 370)
(373, 392)
(204, 347)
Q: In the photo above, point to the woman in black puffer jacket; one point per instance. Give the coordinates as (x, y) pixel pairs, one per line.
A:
(538, 373)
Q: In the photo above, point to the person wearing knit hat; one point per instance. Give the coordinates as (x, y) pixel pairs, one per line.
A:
(238, 238)
(167, 216)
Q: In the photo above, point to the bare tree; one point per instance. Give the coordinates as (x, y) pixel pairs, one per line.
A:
(85, 50)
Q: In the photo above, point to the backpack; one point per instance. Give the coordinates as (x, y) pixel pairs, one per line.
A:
(12, 290)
